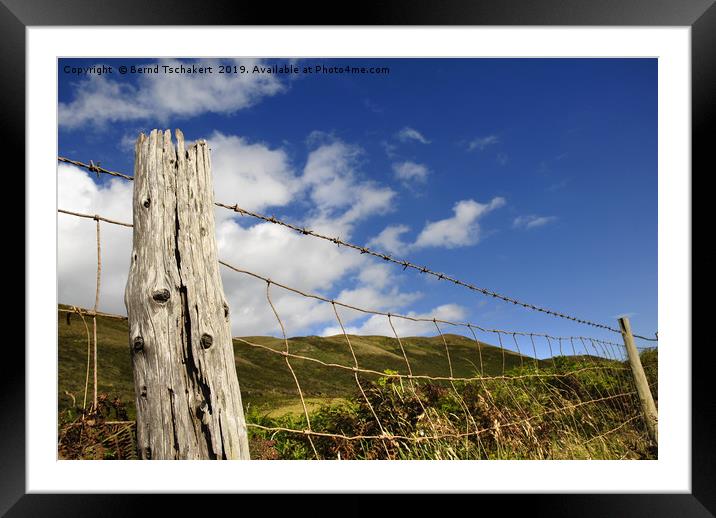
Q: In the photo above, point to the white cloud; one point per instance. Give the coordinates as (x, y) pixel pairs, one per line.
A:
(407, 134)
(306, 263)
(99, 100)
(481, 143)
(462, 229)
(532, 221)
(77, 252)
(273, 251)
(376, 275)
(340, 197)
(251, 174)
(126, 143)
(410, 172)
(379, 324)
(390, 239)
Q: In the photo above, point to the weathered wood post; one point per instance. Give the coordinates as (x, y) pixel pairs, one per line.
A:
(648, 408)
(187, 391)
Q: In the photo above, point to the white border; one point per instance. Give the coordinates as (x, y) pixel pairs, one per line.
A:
(671, 473)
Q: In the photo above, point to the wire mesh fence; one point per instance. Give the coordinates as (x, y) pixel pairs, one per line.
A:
(468, 392)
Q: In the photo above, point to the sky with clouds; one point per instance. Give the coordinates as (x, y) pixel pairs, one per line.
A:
(535, 178)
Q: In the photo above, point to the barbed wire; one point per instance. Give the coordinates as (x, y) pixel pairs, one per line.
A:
(94, 168)
(517, 411)
(315, 296)
(365, 250)
(387, 436)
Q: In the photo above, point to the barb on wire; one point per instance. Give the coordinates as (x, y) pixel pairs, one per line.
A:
(407, 264)
(94, 168)
(534, 401)
(365, 250)
(469, 325)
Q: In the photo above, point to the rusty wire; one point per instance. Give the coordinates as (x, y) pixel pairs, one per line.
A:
(365, 250)
(564, 408)
(468, 325)
(386, 435)
(288, 364)
(96, 308)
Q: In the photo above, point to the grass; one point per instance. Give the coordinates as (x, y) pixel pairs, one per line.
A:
(266, 383)
(559, 417)
(525, 418)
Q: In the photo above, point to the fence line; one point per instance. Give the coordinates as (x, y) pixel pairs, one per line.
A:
(411, 376)
(468, 325)
(386, 435)
(365, 250)
(560, 397)
(442, 436)
(96, 217)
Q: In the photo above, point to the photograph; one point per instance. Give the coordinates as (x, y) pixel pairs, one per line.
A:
(423, 250)
(305, 258)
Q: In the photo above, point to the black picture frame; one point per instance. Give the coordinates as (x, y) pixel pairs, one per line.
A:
(700, 15)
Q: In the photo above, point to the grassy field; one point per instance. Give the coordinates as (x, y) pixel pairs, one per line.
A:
(523, 418)
(266, 383)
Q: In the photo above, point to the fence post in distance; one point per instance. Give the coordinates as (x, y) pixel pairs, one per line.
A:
(648, 408)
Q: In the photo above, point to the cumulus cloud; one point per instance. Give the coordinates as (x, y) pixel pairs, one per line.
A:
(376, 275)
(407, 134)
(251, 174)
(76, 242)
(99, 100)
(340, 196)
(275, 252)
(462, 229)
(379, 324)
(390, 239)
(308, 264)
(409, 172)
(482, 143)
(532, 221)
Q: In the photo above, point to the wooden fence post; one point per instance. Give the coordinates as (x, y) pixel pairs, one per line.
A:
(187, 391)
(648, 408)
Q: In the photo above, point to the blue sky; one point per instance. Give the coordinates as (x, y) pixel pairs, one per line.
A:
(535, 178)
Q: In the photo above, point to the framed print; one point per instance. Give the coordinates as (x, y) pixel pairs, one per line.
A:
(440, 247)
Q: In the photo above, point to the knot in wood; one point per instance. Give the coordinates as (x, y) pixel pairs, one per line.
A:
(161, 295)
(138, 344)
(206, 341)
(147, 203)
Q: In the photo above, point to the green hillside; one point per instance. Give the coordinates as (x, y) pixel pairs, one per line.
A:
(266, 383)
(566, 416)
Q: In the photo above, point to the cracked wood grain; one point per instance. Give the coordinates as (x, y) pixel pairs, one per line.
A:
(187, 391)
